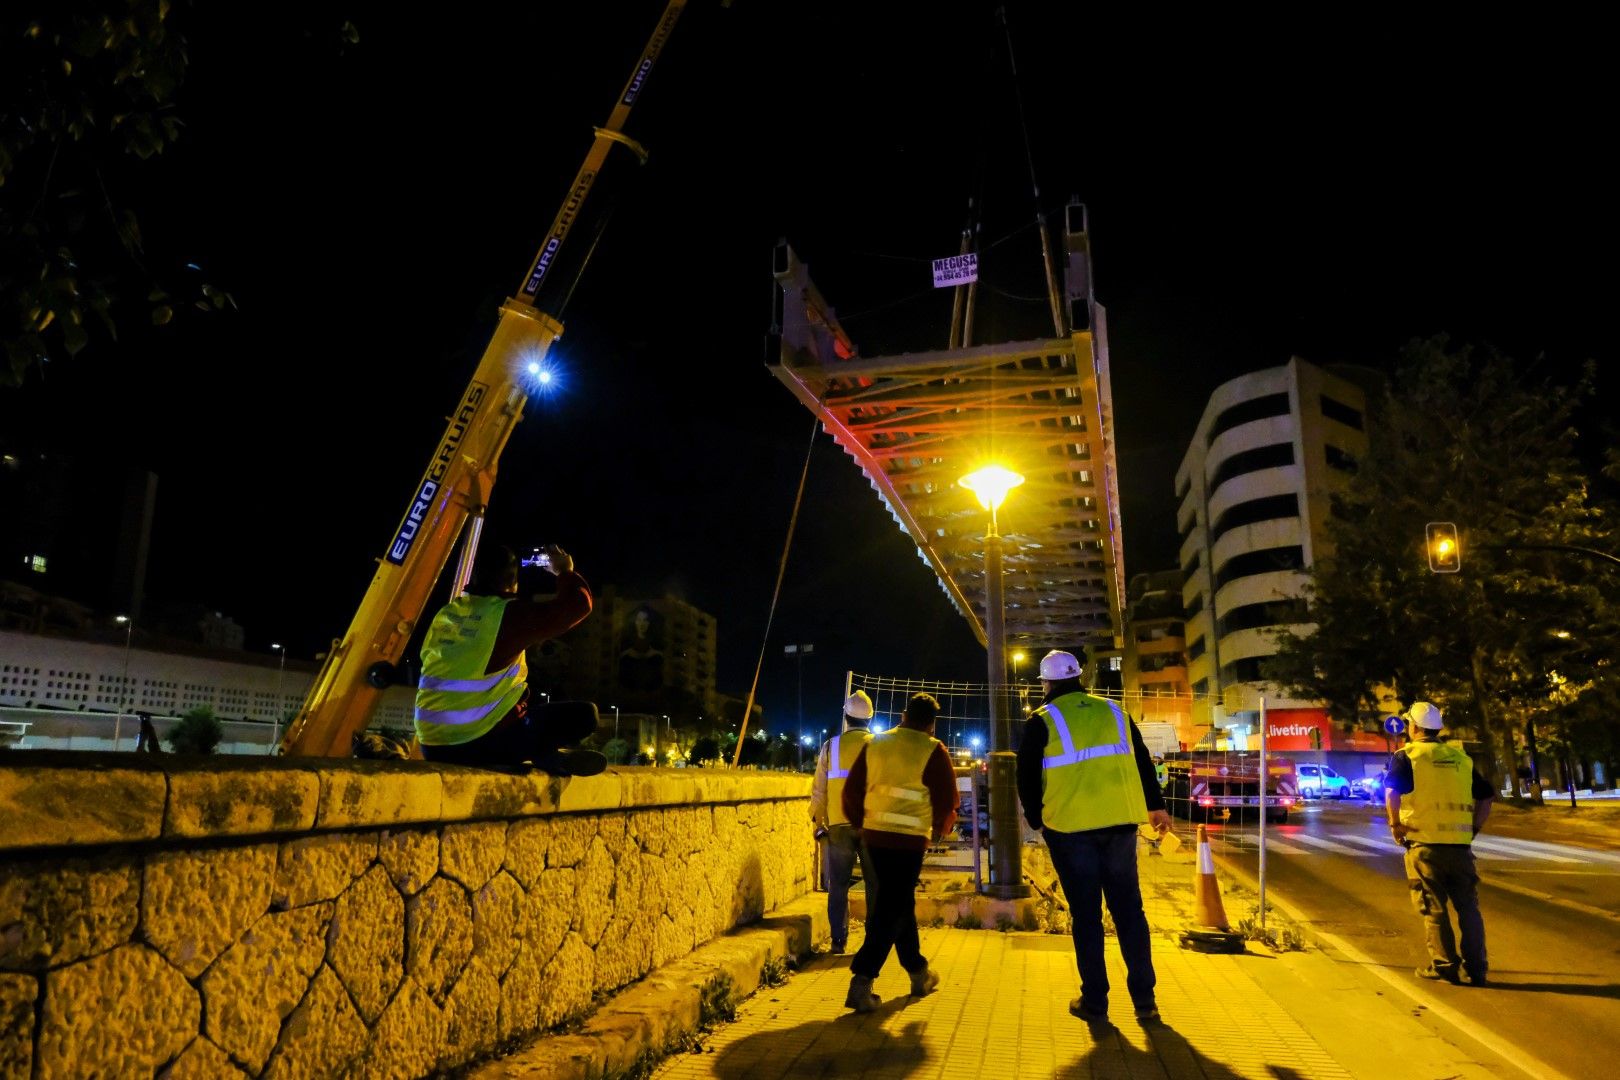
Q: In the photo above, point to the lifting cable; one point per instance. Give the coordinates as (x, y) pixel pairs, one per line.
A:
(781, 571)
(1034, 185)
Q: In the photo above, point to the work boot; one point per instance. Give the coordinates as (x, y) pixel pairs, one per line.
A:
(571, 762)
(860, 996)
(1439, 974)
(836, 948)
(924, 981)
(1078, 1007)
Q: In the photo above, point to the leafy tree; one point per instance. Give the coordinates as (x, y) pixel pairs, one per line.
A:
(707, 748)
(1459, 437)
(198, 732)
(617, 751)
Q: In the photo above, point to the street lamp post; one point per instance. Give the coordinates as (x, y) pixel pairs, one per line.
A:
(991, 484)
(123, 687)
(615, 709)
(281, 702)
(798, 653)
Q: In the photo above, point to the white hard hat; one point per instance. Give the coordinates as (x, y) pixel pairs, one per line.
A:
(1424, 715)
(1057, 665)
(858, 706)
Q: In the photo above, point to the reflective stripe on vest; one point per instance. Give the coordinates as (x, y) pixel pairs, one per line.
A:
(1089, 778)
(457, 699)
(841, 752)
(897, 800)
(1440, 809)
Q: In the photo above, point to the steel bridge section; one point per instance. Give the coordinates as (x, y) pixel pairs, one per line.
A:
(916, 422)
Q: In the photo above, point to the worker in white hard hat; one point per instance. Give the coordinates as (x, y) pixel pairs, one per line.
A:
(1437, 802)
(1086, 781)
(841, 841)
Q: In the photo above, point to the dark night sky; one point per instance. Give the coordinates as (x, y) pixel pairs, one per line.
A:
(1256, 191)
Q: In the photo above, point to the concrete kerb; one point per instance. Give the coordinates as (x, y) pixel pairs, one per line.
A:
(659, 1016)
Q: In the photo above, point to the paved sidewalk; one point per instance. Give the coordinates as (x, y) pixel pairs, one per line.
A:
(1002, 1012)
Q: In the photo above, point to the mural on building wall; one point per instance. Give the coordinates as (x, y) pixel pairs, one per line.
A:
(641, 656)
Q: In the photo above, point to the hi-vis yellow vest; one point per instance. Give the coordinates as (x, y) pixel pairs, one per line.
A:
(897, 800)
(1088, 775)
(455, 701)
(840, 752)
(1440, 809)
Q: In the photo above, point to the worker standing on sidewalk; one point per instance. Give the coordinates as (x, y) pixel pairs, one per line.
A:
(1086, 780)
(841, 841)
(900, 793)
(1437, 802)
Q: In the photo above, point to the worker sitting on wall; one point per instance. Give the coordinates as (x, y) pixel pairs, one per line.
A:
(472, 703)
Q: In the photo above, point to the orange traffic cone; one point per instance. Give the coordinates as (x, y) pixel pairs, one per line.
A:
(1209, 930)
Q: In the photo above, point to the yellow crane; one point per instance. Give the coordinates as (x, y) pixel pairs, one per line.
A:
(455, 489)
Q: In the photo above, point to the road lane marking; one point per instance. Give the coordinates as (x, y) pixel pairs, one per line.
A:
(1328, 845)
(1518, 849)
(1383, 847)
(1565, 852)
(1510, 1054)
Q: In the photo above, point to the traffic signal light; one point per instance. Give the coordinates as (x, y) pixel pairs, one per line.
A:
(1445, 550)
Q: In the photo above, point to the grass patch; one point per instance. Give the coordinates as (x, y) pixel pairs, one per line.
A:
(773, 972)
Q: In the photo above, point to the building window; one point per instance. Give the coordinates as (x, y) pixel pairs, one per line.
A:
(1344, 414)
(1260, 408)
(1270, 508)
(1265, 561)
(36, 563)
(1196, 649)
(1201, 687)
(1272, 613)
(1338, 459)
(1194, 607)
(1249, 669)
(1275, 456)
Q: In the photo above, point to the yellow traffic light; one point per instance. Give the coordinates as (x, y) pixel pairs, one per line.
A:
(1445, 549)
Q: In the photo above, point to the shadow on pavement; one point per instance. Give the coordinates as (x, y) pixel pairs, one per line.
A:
(1602, 990)
(851, 1045)
(1169, 1055)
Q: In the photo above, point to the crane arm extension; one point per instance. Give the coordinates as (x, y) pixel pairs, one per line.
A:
(456, 485)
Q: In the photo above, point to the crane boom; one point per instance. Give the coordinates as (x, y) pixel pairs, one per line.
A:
(460, 476)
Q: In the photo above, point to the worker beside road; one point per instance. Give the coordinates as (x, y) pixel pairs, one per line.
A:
(900, 794)
(841, 841)
(472, 703)
(1086, 780)
(1437, 802)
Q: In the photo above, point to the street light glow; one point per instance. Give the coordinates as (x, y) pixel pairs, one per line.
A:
(991, 484)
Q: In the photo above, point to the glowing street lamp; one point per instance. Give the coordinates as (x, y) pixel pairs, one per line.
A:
(991, 484)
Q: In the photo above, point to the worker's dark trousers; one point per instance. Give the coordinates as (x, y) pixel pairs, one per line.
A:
(1439, 874)
(1093, 866)
(891, 917)
(530, 737)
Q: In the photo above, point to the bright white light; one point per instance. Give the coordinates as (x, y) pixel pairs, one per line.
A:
(545, 377)
(807, 740)
(877, 729)
(976, 742)
(534, 367)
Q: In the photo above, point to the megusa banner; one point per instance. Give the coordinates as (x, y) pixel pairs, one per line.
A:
(956, 270)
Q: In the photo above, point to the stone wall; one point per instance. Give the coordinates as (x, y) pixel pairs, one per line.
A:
(365, 919)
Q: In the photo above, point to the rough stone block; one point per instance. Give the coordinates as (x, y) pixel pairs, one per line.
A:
(438, 936)
(553, 911)
(49, 807)
(471, 1015)
(367, 942)
(196, 903)
(322, 867)
(498, 910)
(322, 1035)
(118, 1014)
(17, 996)
(526, 844)
(202, 1061)
(595, 883)
(411, 856)
(570, 839)
(407, 1042)
(472, 854)
(258, 981)
(650, 830)
(381, 795)
(565, 984)
(241, 802)
(55, 912)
